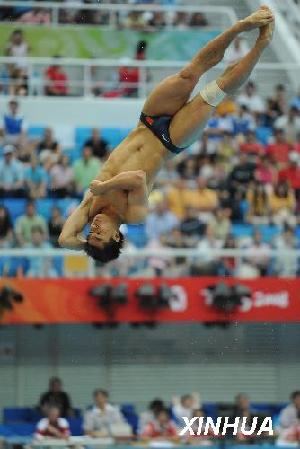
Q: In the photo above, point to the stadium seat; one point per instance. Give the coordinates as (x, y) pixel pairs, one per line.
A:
(129, 413)
(76, 426)
(16, 414)
(16, 207)
(81, 135)
(36, 132)
(112, 136)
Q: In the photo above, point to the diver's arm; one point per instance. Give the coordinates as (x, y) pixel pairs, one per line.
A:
(128, 180)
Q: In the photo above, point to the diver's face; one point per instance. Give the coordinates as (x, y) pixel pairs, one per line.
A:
(102, 231)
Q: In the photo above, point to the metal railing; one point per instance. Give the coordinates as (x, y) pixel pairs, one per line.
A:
(100, 77)
(112, 15)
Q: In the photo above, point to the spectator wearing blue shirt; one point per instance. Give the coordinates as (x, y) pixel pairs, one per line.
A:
(35, 180)
(160, 222)
(296, 101)
(11, 175)
(244, 122)
(13, 125)
(38, 266)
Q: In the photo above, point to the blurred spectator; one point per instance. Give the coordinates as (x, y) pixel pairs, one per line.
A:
(228, 263)
(168, 174)
(181, 21)
(220, 223)
(135, 20)
(53, 426)
(62, 178)
(286, 265)
(279, 150)
(290, 414)
(184, 406)
(243, 121)
(236, 51)
(157, 21)
(160, 221)
(39, 266)
(207, 263)
(204, 199)
(36, 16)
(85, 169)
(48, 149)
(26, 223)
(291, 173)
(242, 174)
(258, 253)
(146, 417)
(55, 225)
(35, 178)
(290, 124)
(282, 204)
(266, 172)
(251, 145)
(17, 47)
(296, 101)
(199, 440)
(56, 397)
(242, 409)
(100, 146)
(56, 81)
(198, 20)
(188, 168)
(251, 99)
(161, 428)
(279, 100)
(191, 226)
(6, 228)
(258, 203)
(11, 174)
(48, 142)
(13, 128)
(99, 420)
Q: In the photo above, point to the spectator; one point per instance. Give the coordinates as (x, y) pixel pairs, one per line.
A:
(85, 169)
(157, 21)
(251, 145)
(185, 406)
(290, 414)
(258, 203)
(203, 199)
(258, 253)
(282, 204)
(296, 101)
(266, 172)
(99, 145)
(135, 21)
(228, 263)
(290, 124)
(242, 174)
(11, 174)
(191, 226)
(56, 81)
(168, 174)
(161, 428)
(53, 426)
(6, 228)
(26, 223)
(49, 150)
(55, 225)
(243, 121)
(56, 397)
(286, 265)
(236, 51)
(279, 100)
(35, 178)
(291, 173)
(251, 99)
(62, 178)
(181, 21)
(40, 266)
(48, 142)
(160, 221)
(207, 263)
(98, 421)
(198, 20)
(280, 149)
(242, 409)
(146, 417)
(17, 47)
(14, 127)
(220, 223)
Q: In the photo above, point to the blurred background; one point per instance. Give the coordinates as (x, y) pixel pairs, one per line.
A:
(200, 315)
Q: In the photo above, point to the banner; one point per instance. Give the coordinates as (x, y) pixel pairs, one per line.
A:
(69, 301)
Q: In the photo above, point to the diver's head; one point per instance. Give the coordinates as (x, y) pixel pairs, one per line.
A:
(105, 241)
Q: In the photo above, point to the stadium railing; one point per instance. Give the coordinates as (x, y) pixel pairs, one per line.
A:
(217, 16)
(93, 77)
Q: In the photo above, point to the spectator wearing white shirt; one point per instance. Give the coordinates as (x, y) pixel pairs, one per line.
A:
(185, 406)
(161, 221)
(11, 174)
(290, 123)
(251, 99)
(236, 51)
(99, 420)
(290, 414)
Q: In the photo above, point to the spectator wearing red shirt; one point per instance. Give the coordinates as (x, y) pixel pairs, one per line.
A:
(266, 172)
(161, 427)
(56, 81)
(251, 146)
(291, 173)
(53, 426)
(280, 149)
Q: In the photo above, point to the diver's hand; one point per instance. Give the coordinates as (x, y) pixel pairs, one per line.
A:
(97, 187)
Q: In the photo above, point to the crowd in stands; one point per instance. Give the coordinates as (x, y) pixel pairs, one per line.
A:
(244, 170)
(162, 420)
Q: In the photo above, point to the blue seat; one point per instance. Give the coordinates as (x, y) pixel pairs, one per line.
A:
(22, 429)
(263, 134)
(112, 136)
(36, 132)
(242, 230)
(210, 410)
(15, 414)
(129, 413)
(16, 206)
(76, 426)
(44, 206)
(81, 135)
(269, 232)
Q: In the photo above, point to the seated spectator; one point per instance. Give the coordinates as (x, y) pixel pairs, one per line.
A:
(98, 421)
(279, 100)
(251, 99)
(55, 225)
(11, 175)
(48, 142)
(184, 406)
(220, 223)
(135, 20)
(215, 129)
(157, 21)
(258, 203)
(56, 81)
(251, 145)
(62, 178)
(228, 263)
(291, 173)
(40, 266)
(282, 204)
(49, 150)
(146, 417)
(6, 228)
(19, 48)
(236, 51)
(53, 426)
(100, 146)
(290, 414)
(56, 397)
(27, 222)
(191, 226)
(181, 21)
(199, 440)
(13, 126)
(266, 172)
(35, 178)
(242, 409)
(243, 121)
(160, 221)
(85, 170)
(160, 428)
(188, 168)
(207, 263)
(258, 253)
(198, 20)
(167, 174)
(280, 149)
(242, 174)
(204, 199)
(290, 124)
(286, 265)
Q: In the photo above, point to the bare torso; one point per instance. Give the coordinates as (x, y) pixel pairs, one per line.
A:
(141, 150)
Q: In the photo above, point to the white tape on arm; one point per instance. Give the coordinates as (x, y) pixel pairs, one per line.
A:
(212, 94)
